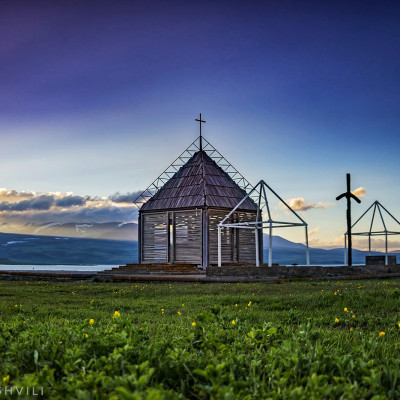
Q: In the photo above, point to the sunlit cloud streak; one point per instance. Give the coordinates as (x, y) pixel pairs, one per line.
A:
(299, 204)
(359, 192)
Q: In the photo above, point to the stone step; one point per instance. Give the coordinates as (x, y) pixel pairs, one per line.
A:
(155, 269)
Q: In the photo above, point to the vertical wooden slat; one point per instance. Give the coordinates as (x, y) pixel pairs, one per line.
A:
(188, 234)
(247, 244)
(155, 237)
(140, 244)
(205, 257)
(214, 218)
(171, 238)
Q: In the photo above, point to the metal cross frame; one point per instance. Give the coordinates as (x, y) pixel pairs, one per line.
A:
(377, 206)
(200, 144)
(259, 195)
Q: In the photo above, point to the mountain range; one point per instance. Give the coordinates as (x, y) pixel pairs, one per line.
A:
(51, 250)
(110, 230)
(113, 231)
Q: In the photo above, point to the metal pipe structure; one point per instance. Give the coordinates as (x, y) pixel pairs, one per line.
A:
(219, 247)
(259, 223)
(200, 144)
(386, 249)
(369, 244)
(377, 206)
(386, 236)
(270, 246)
(257, 248)
(307, 248)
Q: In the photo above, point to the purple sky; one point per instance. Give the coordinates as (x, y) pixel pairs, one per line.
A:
(98, 97)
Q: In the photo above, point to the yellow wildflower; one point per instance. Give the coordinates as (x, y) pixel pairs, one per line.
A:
(353, 316)
(248, 305)
(398, 324)
(86, 335)
(193, 323)
(179, 313)
(345, 309)
(91, 321)
(336, 320)
(381, 334)
(233, 322)
(116, 314)
(183, 305)
(237, 305)
(6, 379)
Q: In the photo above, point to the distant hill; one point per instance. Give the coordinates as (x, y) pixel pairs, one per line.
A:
(51, 250)
(279, 242)
(110, 230)
(37, 249)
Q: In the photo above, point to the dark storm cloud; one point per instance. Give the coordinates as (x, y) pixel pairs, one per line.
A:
(124, 198)
(69, 201)
(60, 208)
(83, 215)
(42, 202)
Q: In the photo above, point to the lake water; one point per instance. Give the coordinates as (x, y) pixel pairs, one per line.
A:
(80, 268)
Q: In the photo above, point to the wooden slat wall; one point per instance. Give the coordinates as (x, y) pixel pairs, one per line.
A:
(155, 237)
(227, 246)
(247, 241)
(188, 236)
(171, 239)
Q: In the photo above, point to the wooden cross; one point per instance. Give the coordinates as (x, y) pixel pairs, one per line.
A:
(348, 196)
(200, 121)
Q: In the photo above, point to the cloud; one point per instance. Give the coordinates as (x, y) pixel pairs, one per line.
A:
(12, 195)
(299, 204)
(19, 210)
(313, 231)
(43, 202)
(360, 244)
(69, 201)
(359, 192)
(39, 201)
(80, 215)
(124, 198)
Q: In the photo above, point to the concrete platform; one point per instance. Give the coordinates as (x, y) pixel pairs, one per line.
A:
(274, 274)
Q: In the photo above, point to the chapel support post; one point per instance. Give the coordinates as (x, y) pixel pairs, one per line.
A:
(307, 247)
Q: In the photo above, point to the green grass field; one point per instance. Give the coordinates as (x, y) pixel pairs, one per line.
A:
(202, 341)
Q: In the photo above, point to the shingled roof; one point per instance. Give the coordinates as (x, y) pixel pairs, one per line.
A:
(199, 183)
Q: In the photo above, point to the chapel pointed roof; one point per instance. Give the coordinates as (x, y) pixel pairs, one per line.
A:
(201, 182)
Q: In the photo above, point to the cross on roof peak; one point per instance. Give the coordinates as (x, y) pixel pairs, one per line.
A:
(200, 121)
